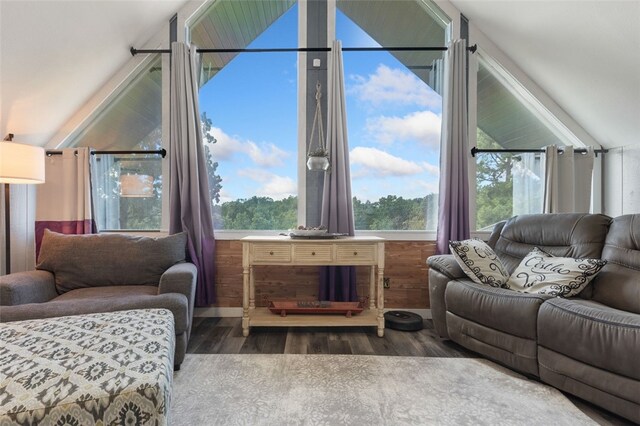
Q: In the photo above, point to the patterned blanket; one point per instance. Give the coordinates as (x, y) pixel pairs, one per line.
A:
(99, 369)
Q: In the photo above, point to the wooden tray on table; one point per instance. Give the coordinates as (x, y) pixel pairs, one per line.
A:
(286, 307)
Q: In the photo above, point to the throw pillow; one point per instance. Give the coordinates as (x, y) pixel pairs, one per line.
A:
(543, 273)
(480, 262)
(93, 260)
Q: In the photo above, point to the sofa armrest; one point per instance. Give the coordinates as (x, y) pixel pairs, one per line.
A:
(27, 287)
(181, 278)
(446, 264)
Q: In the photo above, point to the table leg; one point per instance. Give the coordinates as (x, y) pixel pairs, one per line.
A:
(380, 302)
(372, 288)
(252, 289)
(246, 276)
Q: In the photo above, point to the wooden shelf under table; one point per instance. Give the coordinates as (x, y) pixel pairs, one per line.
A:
(264, 317)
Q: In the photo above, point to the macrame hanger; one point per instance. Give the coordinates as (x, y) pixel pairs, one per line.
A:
(317, 120)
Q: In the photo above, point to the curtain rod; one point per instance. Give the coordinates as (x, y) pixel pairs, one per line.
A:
(162, 152)
(471, 49)
(475, 150)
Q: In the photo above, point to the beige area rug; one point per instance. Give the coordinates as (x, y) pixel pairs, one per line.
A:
(361, 390)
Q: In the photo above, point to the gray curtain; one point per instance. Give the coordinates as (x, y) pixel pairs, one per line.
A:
(337, 282)
(453, 203)
(190, 203)
(567, 180)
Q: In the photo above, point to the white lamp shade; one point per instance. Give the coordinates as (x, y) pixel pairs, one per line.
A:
(136, 186)
(21, 163)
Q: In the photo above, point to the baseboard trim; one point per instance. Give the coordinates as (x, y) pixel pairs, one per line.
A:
(237, 312)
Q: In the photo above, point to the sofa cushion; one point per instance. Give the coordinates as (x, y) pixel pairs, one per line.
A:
(576, 235)
(89, 301)
(479, 262)
(618, 284)
(591, 333)
(542, 273)
(80, 261)
(504, 310)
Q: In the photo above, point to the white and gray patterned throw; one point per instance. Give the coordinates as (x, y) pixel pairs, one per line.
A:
(106, 369)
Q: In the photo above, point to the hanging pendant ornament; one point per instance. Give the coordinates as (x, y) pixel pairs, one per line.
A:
(318, 159)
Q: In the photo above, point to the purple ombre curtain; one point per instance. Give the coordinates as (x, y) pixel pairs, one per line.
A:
(190, 203)
(453, 206)
(337, 282)
(64, 202)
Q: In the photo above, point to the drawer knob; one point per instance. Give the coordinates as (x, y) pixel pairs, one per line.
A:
(313, 253)
(271, 253)
(355, 253)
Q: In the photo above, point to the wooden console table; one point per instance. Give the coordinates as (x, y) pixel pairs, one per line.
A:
(285, 251)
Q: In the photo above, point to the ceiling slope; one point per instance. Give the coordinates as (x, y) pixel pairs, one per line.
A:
(584, 54)
(55, 54)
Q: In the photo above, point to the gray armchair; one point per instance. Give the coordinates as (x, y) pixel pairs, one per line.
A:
(80, 274)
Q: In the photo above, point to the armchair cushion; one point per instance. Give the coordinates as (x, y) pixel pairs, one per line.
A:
(98, 260)
(27, 287)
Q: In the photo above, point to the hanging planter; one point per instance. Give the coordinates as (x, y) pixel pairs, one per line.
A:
(318, 159)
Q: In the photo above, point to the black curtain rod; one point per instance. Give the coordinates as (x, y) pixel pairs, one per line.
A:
(475, 151)
(471, 49)
(162, 152)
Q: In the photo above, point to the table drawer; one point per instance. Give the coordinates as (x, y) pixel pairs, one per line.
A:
(309, 253)
(356, 253)
(272, 253)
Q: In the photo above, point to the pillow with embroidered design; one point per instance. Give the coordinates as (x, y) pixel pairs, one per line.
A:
(543, 273)
(478, 260)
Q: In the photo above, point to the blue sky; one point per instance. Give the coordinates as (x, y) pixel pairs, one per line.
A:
(393, 119)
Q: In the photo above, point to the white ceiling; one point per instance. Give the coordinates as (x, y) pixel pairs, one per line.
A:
(584, 54)
(55, 54)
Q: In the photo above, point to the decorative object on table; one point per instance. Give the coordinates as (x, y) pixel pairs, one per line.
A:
(403, 321)
(285, 307)
(311, 231)
(22, 164)
(318, 159)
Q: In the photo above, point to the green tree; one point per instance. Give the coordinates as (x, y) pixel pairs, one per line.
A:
(215, 181)
(494, 199)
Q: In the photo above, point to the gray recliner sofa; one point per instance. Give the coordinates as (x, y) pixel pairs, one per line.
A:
(81, 274)
(588, 345)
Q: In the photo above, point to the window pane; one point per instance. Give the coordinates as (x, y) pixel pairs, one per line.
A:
(128, 191)
(131, 120)
(248, 103)
(508, 184)
(394, 115)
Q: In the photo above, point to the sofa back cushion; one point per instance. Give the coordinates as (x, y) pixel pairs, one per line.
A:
(81, 261)
(577, 235)
(618, 284)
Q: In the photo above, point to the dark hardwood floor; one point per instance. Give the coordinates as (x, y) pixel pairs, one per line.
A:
(224, 336)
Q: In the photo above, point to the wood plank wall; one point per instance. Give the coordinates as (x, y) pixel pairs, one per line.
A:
(405, 265)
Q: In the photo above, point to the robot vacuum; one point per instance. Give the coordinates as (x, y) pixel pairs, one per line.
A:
(403, 321)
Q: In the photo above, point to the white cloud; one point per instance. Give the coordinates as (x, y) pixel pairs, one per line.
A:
(380, 163)
(393, 85)
(423, 126)
(430, 168)
(263, 154)
(429, 187)
(273, 186)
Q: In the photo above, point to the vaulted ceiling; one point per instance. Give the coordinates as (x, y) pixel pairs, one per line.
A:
(54, 55)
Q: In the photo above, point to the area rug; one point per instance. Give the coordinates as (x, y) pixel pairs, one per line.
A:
(360, 390)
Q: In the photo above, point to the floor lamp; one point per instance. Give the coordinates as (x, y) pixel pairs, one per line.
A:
(23, 164)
